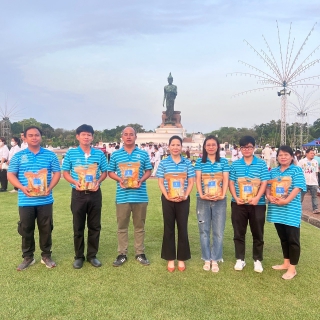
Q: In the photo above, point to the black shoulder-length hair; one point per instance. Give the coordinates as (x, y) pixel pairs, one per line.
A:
(286, 149)
(204, 151)
(175, 137)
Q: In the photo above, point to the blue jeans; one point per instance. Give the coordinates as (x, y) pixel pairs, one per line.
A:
(211, 215)
(314, 196)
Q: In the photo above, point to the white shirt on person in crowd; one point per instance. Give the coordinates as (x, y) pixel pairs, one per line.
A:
(161, 151)
(150, 150)
(14, 149)
(24, 145)
(234, 155)
(222, 154)
(266, 152)
(157, 160)
(4, 153)
(153, 159)
(310, 169)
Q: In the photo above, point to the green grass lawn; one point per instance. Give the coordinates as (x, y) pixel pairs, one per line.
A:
(137, 292)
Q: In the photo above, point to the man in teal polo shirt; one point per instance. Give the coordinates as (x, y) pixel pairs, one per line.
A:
(32, 207)
(249, 167)
(86, 202)
(133, 199)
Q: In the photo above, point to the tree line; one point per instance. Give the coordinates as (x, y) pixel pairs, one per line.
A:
(263, 133)
(67, 138)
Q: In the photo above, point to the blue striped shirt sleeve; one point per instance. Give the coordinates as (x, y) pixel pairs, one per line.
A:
(160, 171)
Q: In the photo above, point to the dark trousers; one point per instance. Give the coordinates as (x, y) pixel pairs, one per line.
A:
(290, 242)
(86, 205)
(175, 212)
(26, 226)
(3, 179)
(240, 216)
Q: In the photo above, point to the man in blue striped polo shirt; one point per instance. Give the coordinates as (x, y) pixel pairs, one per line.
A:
(85, 204)
(254, 210)
(33, 159)
(133, 199)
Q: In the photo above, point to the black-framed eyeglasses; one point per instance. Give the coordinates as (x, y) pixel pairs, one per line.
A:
(246, 148)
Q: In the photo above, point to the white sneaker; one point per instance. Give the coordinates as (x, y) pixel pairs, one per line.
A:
(240, 264)
(258, 266)
(13, 190)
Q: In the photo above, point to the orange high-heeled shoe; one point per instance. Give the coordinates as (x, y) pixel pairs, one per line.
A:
(182, 268)
(171, 269)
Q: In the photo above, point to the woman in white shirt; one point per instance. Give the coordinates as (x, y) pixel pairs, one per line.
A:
(222, 153)
(157, 159)
(152, 159)
(4, 155)
(14, 149)
(234, 154)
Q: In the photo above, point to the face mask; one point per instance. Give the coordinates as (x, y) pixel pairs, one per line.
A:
(1, 143)
(12, 143)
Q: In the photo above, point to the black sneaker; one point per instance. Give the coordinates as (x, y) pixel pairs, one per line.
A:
(48, 262)
(27, 262)
(121, 259)
(142, 259)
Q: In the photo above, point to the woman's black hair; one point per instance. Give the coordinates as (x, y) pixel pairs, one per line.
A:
(286, 149)
(175, 137)
(204, 151)
(17, 140)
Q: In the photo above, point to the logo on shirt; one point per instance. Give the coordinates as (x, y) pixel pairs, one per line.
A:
(24, 159)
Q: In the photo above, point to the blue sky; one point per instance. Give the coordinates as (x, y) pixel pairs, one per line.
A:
(105, 63)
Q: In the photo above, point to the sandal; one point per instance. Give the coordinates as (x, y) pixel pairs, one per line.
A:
(214, 267)
(280, 267)
(206, 266)
(289, 276)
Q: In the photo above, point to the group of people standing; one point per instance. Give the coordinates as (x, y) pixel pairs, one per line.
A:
(284, 209)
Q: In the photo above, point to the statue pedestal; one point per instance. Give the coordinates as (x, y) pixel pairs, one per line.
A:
(175, 121)
(165, 132)
(162, 135)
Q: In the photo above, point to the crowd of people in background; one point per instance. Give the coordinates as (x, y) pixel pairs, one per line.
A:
(161, 161)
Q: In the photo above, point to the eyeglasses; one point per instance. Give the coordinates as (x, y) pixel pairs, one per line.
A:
(246, 148)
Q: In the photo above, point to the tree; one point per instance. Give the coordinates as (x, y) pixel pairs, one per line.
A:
(314, 130)
(16, 128)
(137, 127)
(30, 122)
(47, 130)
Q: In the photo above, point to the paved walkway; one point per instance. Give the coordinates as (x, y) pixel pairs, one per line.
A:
(307, 214)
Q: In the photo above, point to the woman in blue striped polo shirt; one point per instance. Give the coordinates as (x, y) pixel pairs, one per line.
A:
(284, 209)
(175, 207)
(211, 207)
